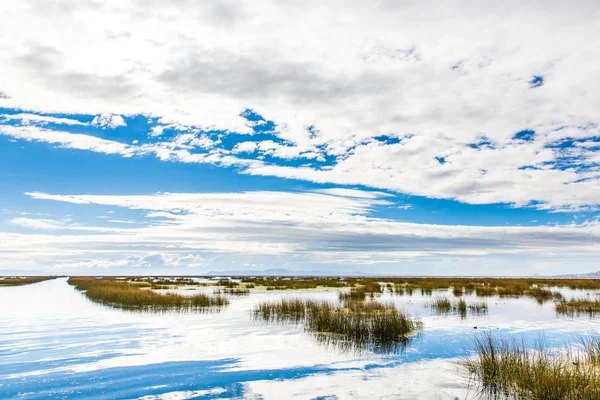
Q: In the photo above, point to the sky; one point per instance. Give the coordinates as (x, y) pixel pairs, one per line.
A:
(381, 137)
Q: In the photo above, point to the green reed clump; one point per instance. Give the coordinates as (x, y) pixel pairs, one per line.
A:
(123, 294)
(367, 321)
(356, 294)
(23, 280)
(227, 283)
(542, 295)
(443, 305)
(579, 306)
(285, 309)
(510, 370)
(383, 325)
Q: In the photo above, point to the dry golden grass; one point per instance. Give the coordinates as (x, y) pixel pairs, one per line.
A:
(23, 280)
(510, 370)
(124, 294)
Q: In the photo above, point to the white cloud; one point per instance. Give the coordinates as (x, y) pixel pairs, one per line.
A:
(109, 121)
(336, 227)
(244, 147)
(28, 118)
(38, 223)
(438, 77)
(67, 140)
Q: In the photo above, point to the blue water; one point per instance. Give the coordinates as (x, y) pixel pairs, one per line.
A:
(54, 343)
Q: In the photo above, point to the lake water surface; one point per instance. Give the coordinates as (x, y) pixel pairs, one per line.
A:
(55, 343)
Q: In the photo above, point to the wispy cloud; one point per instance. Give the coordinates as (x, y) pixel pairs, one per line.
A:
(317, 227)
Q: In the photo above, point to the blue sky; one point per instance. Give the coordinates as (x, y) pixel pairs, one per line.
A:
(160, 145)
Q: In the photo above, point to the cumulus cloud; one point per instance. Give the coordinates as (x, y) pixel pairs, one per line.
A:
(109, 121)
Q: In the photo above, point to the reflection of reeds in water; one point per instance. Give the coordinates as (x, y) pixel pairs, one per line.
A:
(511, 370)
(139, 296)
(575, 307)
(355, 323)
(25, 280)
(442, 305)
(233, 291)
(358, 347)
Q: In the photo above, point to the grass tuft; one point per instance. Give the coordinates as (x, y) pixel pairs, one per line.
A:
(508, 369)
(443, 305)
(576, 307)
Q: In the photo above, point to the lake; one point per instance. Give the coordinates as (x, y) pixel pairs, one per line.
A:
(55, 343)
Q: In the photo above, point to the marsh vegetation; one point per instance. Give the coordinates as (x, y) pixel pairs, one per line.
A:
(358, 323)
(23, 280)
(578, 306)
(139, 295)
(442, 305)
(508, 369)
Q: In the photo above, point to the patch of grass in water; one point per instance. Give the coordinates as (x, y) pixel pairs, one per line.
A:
(355, 294)
(443, 305)
(510, 370)
(363, 323)
(123, 294)
(576, 307)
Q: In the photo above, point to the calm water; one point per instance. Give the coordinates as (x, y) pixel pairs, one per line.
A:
(54, 343)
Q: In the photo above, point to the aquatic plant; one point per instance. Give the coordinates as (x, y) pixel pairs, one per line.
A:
(509, 369)
(357, 294)
(578, 306)
(457, 291)
(440, 304)
(283, 283)
(134, 295)
(23, 280)
(363, 323)
(443, 305)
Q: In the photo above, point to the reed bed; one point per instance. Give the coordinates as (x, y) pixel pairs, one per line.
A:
(158, 281)
(124, 294)
(367, 322)
(283, 283)
(511, 370)
(443, 305)
(355, 294)
(23, 280)
(575, 307)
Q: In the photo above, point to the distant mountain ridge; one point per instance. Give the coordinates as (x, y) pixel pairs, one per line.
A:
(588, 275)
